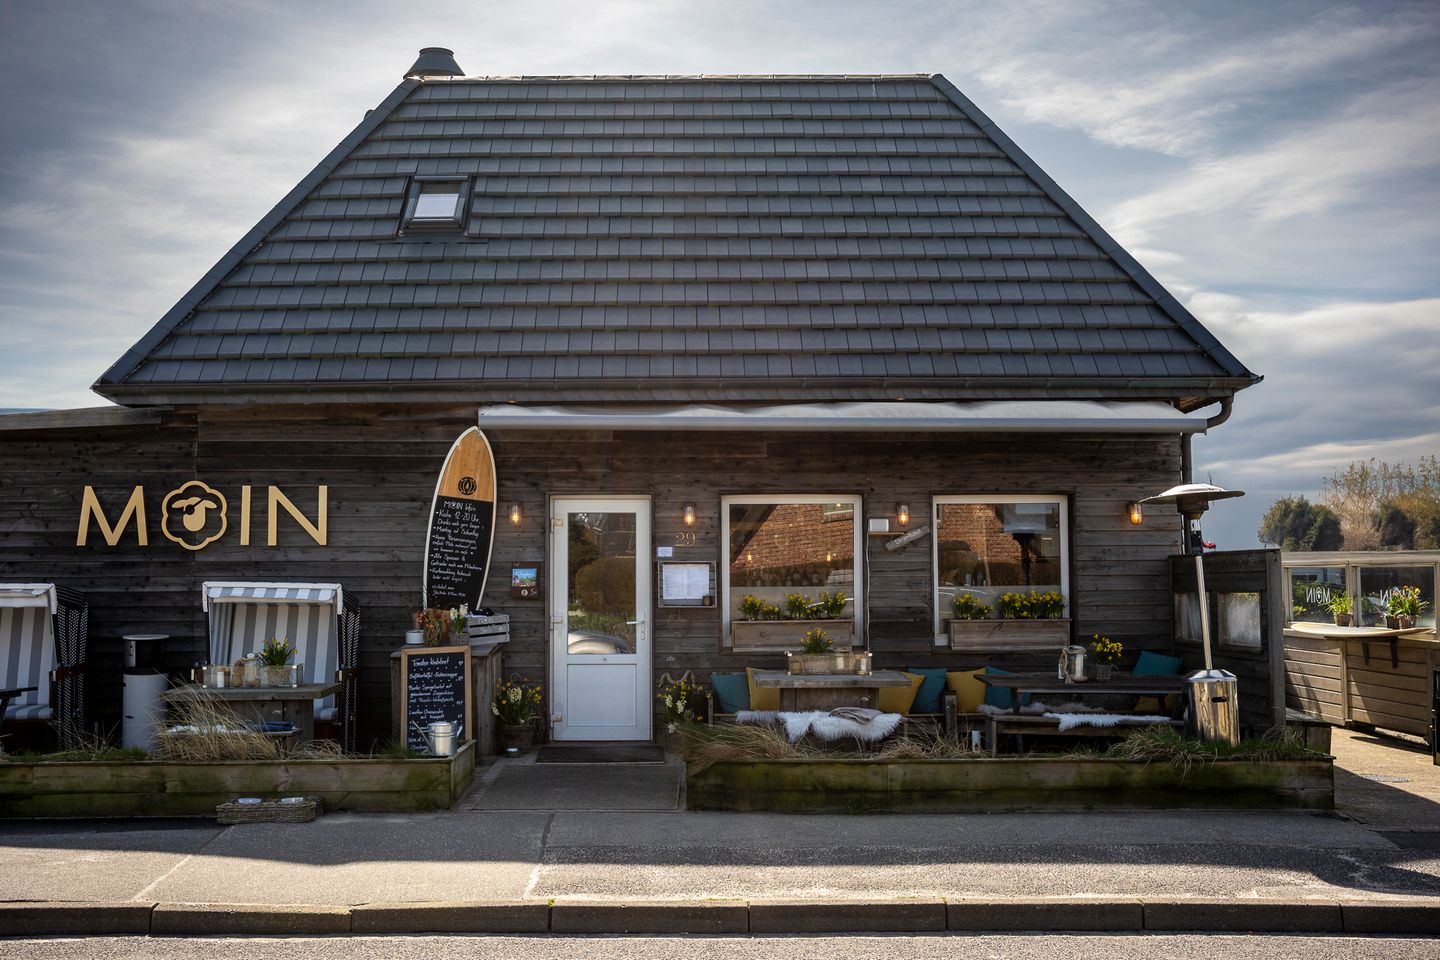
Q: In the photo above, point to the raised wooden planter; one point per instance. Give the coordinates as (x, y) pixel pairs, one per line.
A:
(787, 634)
(165, 788)
(1003, 635)
(1007, 785)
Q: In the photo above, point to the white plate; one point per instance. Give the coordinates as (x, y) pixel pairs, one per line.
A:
(249, 800)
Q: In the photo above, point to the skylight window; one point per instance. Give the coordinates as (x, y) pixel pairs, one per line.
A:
(435, 203)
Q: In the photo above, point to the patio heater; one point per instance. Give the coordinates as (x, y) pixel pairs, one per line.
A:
(1214, 701)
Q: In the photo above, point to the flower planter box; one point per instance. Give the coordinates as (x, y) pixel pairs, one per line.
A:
(1005, 635)
(1007, 785)
(787, 634)
(166, 788)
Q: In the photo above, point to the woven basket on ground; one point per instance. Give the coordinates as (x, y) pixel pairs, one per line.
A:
(268, 811)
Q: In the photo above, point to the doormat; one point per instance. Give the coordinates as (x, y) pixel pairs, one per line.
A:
(600, 753)
(1383, 777)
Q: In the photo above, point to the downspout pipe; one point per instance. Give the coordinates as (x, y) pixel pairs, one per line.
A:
(1187, 458)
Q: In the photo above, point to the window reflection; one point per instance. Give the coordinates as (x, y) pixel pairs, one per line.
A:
(783, 548)
(1311, 590)
(987, 549)
(601, 553)
(1378, 584)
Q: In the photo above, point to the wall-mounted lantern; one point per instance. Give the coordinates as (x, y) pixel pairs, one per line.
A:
(902, 513)
(689, 514)
(515, 515)
(1136, 514)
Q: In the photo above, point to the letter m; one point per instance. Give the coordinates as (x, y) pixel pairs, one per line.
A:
(134, 509)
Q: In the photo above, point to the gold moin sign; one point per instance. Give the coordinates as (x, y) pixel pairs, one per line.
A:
(195, 515)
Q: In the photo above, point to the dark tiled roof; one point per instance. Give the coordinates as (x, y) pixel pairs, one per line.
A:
(680, 238)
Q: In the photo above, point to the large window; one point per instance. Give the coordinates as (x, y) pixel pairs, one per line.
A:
(986, 546)
(777, 545)
(1311, 590)
(1378, 584)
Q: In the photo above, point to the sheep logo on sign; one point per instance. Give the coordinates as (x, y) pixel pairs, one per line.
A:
(194, 515)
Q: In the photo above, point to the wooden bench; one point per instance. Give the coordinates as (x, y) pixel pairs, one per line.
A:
(1018, 725)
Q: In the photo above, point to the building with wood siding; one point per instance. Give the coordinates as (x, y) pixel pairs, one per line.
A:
(736, 294)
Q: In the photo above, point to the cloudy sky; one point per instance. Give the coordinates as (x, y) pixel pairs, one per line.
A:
(1277, 165)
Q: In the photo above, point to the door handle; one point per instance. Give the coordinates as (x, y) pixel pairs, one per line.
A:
(634, 622)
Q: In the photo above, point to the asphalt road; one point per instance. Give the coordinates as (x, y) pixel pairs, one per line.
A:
(1214, 947)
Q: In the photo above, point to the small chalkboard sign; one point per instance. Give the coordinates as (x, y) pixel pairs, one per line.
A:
(434, 686)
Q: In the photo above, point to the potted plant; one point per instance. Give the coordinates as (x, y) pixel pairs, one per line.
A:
(679, 705)
(275, 669)
(514, 706)
(1104, 654)
(762, 625)
(1026, 621)
(1341, 607)
(817, 655)
(1403, 608)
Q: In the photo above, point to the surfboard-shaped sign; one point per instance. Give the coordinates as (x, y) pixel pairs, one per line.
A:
(462, 525)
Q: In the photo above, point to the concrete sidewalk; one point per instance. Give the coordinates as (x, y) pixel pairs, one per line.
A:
(663, 870)
(592, 871)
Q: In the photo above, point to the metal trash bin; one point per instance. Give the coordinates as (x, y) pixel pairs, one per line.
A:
(1214, 706)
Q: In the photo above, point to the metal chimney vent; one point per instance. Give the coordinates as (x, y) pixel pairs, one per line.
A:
(435, 62)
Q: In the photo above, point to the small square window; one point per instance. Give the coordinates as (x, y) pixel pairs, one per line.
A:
(433, 204)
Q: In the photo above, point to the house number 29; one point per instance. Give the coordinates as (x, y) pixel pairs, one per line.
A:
(685, 538)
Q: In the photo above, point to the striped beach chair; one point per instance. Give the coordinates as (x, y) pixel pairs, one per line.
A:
(322, 622)
(42, 656)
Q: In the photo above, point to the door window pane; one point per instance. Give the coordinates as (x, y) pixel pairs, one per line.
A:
(778, 549)
(601, 555)
(987, 549)
(1311, 589)
(1377, 584)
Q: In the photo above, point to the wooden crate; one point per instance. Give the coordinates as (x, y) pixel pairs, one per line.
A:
(788, 634)
(995, 636)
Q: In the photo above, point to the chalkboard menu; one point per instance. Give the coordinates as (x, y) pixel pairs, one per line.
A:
(458, 552)
(434, 686)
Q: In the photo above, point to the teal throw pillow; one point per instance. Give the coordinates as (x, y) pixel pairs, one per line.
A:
(932, 688)
(732, 692)
(1153, 664)
(998, 696)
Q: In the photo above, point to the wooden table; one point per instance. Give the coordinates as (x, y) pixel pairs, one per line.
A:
(1363, 634)
(1020, 684)
(293, 704)
(825, 691)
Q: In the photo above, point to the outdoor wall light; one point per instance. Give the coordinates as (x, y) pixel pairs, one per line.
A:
(689, 514)
(515, 516)
(902, 513)
(1137, 515)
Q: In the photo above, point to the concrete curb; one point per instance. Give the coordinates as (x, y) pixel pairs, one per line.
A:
(1407, 915)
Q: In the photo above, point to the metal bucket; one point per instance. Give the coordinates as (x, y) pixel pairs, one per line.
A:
(440, 737)
(1214, 706)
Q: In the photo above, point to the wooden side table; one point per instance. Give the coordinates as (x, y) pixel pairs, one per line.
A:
(293, 704)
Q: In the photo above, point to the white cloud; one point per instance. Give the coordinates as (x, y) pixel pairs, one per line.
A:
(1170, 88)
(1305, 173)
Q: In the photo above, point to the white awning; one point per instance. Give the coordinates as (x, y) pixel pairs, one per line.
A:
(29, 595)
(230, 591)
(1028, 416)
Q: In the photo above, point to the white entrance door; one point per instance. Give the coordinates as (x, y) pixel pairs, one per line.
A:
(600, 630)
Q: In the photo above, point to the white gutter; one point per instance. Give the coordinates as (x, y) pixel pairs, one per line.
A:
(1025, 416)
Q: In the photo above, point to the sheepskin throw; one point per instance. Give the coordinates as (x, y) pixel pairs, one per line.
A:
(1069, 721)
(867, 726)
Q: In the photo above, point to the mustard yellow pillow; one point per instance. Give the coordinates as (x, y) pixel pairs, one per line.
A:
(767, 698)
(900, 699)
(969, 691)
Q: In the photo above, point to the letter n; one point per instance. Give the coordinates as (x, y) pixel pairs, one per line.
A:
(134, 509)
(319, 531)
